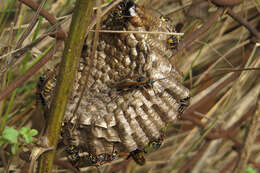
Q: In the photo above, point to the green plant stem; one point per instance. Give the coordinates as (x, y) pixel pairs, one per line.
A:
(68, 67)
(4, 119)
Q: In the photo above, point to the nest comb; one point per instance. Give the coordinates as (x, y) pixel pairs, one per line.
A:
(132, 92)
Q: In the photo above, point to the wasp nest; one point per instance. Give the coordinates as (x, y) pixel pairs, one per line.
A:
(132, 92)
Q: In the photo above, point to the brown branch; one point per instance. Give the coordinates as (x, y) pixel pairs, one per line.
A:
(59, 35)
(244, 22)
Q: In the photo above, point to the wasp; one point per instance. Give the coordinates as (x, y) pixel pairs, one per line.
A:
(155, 144)
(164, 19)
(121, 12)
(73, 154)
(45, 86)
(49, 86)
(65, 130)
(98, 160)
(138, 83)
(173, 42)
(105, 158)
(72, 149)
(183, 104)
(47, 83)
(138, 156)
(91, 159)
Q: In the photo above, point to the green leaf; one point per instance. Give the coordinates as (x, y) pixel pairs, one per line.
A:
(28, 134)
(249, 169)
(33, 132)
(14, 149)
(24, 131)
(10, 134)
(27, 139)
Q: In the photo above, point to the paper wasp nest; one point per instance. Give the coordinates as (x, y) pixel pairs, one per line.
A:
(132, 92)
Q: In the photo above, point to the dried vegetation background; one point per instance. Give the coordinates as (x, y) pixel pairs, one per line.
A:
(218, 55)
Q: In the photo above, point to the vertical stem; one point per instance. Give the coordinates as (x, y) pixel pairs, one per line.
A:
(68, 68)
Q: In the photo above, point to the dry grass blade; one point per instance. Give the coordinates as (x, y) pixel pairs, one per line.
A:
(249, 139)
(28, 30)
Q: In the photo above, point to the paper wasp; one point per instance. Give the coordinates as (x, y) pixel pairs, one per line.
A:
(76, 158)
(105, 158)
(164, 19)
(173, 42)
(47, 83)
(100, 159)
(65, 131)
(155, 144)
(73, 154)
(138, 156)
(121, 12)
(137, 83)
(45, 86)
(183, 103)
